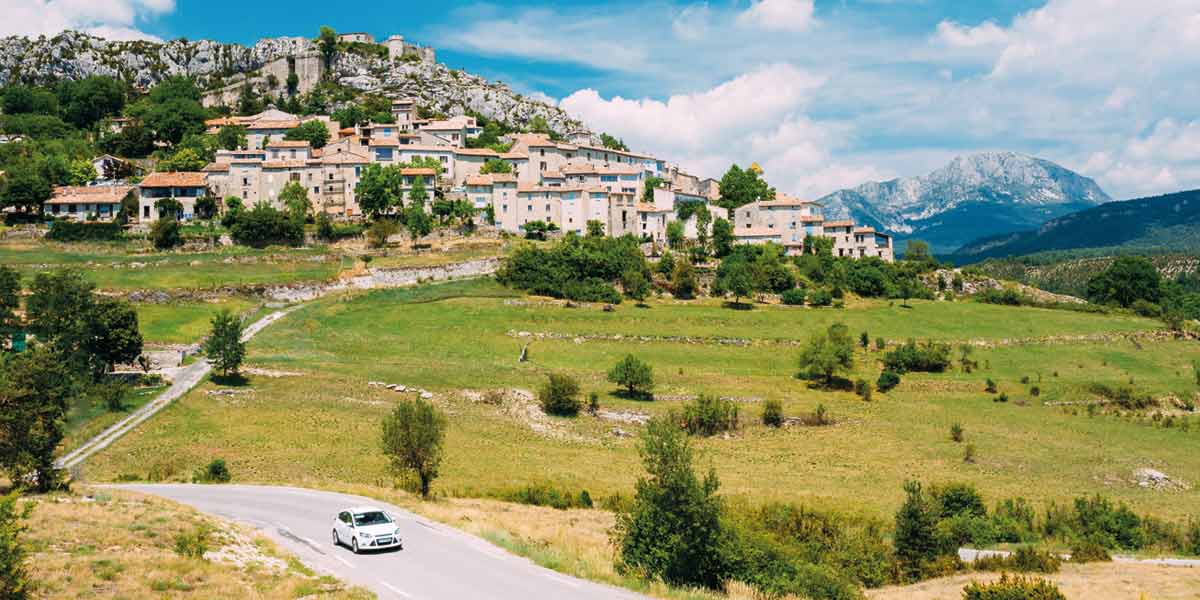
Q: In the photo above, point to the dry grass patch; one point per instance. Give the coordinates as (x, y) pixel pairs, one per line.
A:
(115, 544)
(1094, 581)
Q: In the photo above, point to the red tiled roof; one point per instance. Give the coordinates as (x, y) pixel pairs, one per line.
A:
(181, 179)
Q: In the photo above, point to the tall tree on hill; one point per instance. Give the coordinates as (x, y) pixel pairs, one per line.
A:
(743, 186)
(35, 389)
(722, 237)
(827, 353)
(25, 188)
(314, 132)
(224, 345)
(86, 101)
(380, 189)
(1127, 280)
(327, 41)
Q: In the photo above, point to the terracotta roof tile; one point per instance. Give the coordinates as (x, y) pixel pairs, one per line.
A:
(108, 194)
(181, 179)
(288, 144)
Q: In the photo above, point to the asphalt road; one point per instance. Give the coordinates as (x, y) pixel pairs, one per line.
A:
(437, 561)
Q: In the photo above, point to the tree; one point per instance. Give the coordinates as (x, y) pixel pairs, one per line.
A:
(417, 194)
(184, 160)
(740, 187)
(560, 395)
(683, 280)
(224, 345)
(636, 286)
(916, 522)
(35, 390)
(595, 228)
(634, 375)
(86, 101)
(14, 579)
(164, 233)
(735, 276)
(168, 208)
(133, 141)
(206, 206)
(25, 188)
(413, 437)
(327, 41)
(248, 102)
(1127, 280)
(827, 353)
(673, 529)
(20, 99)
(294, 197)
(666, 264)
(81, 172)
(379, 232)
(675, 235)
(917, 251)
(232, 137)
(703, 221)
(314, 132)
(417, 221)
(88, 333)
(380, 189)
(613, 143)
(495, 165)
(262, 226)
(10, 302)
(112, 335)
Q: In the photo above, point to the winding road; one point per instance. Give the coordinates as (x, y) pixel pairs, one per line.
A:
(437, 561)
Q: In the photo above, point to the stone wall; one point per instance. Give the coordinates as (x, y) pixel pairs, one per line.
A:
(309, 69)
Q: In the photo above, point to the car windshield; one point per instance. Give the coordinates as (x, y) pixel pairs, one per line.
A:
(371, 518)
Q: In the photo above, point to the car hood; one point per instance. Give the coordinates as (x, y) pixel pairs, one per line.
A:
(381, 529)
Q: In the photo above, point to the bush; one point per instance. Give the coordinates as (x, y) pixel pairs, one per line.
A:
(543, 494)
(990, 387)
(215, 472)
(1085, 551)
(772, 415)
(1025, 559)
(887, 380)
(880, 344)
(820, 297)
(379, 232)
(930, 357)
(709, 415)
(578, 268)
(1098, 520)
(194, 543)
(165, 234)
(14, 577)
(793, 297)
(110, 395)
(591, 290)
(1013, 588)
(818, 418)
(560, 395)
(593, 405)
(263, 226)
(75, 231)
(956, 433)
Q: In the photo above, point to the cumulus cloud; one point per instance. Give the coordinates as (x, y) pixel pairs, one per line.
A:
(959, 36)
(692, 22)
(755, 117)
(113, 19)
(778, 15)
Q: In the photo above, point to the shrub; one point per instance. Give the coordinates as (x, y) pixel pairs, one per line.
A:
(709, 415)
(820, 297)
(880, 344)
(794, 297)
(1008, 297)
(542, 494)
(194, 543)
(827, 353)
(263, 226)
(932, 357)
(1025, 559)
(215, 472)
(861, 386)
(1035, 391)
(772, 415)
(1098, 520)
(590, 290)
(969, 454)
(818, 418)
(578, 268)
(560, 395)
(916, 545)
(1003, 397)
(634, 375)
(990, 387)
(413, 438)
(864, 340)
(593, 405)
(1012, 588)
(956, 432)
(1085, 551)
(379, 232)
(887, 380)
(164, 233)
(110, 395)
(76, 231)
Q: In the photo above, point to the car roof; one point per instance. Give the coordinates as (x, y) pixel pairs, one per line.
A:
(362, 509)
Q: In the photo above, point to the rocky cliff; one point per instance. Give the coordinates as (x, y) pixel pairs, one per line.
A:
(74, 55)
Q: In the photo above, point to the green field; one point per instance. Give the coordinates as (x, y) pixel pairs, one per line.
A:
(320, 427)
(184, 322)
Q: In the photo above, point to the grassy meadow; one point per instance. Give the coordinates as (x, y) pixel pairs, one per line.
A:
(317, 422)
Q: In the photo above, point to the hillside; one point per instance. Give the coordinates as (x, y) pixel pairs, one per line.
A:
(973, 196)
(1168, 222)
(363, 67)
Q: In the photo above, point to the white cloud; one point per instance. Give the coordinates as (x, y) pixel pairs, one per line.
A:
(959, 36)
(756, 117)
(543, 97)
(113, 19)
(692, 23)
(778, 15)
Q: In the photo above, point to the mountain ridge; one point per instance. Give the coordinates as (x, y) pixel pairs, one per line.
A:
(970, 197)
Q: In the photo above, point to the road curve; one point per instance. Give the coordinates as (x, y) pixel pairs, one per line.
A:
(437, 562)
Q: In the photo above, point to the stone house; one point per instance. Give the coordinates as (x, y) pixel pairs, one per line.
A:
(184, 187)
(86, 203)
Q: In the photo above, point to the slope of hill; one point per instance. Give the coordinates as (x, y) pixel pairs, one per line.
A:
(365, 67)
(1168, 222)
(973, 196)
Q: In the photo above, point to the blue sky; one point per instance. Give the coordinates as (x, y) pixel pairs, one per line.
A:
(822, 93)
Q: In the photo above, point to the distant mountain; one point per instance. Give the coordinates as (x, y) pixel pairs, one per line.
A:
(1169, 222)
(973, 196)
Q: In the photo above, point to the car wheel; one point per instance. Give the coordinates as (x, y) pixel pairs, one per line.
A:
(354, 545)
(336, 541)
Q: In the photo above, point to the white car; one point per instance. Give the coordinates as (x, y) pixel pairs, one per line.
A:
(365, 528)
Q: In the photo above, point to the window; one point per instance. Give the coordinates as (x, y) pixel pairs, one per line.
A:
(547, 208)
(145, 212)
(504, 208)
(542, 152)
(543, 165)
(70, 208)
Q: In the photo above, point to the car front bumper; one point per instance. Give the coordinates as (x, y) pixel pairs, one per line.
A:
(380, 542)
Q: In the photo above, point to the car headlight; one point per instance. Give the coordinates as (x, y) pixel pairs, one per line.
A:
(365, 535)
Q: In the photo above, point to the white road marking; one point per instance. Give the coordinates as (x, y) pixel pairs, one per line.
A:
(396, 589)
(344, 561)
(310, 541)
